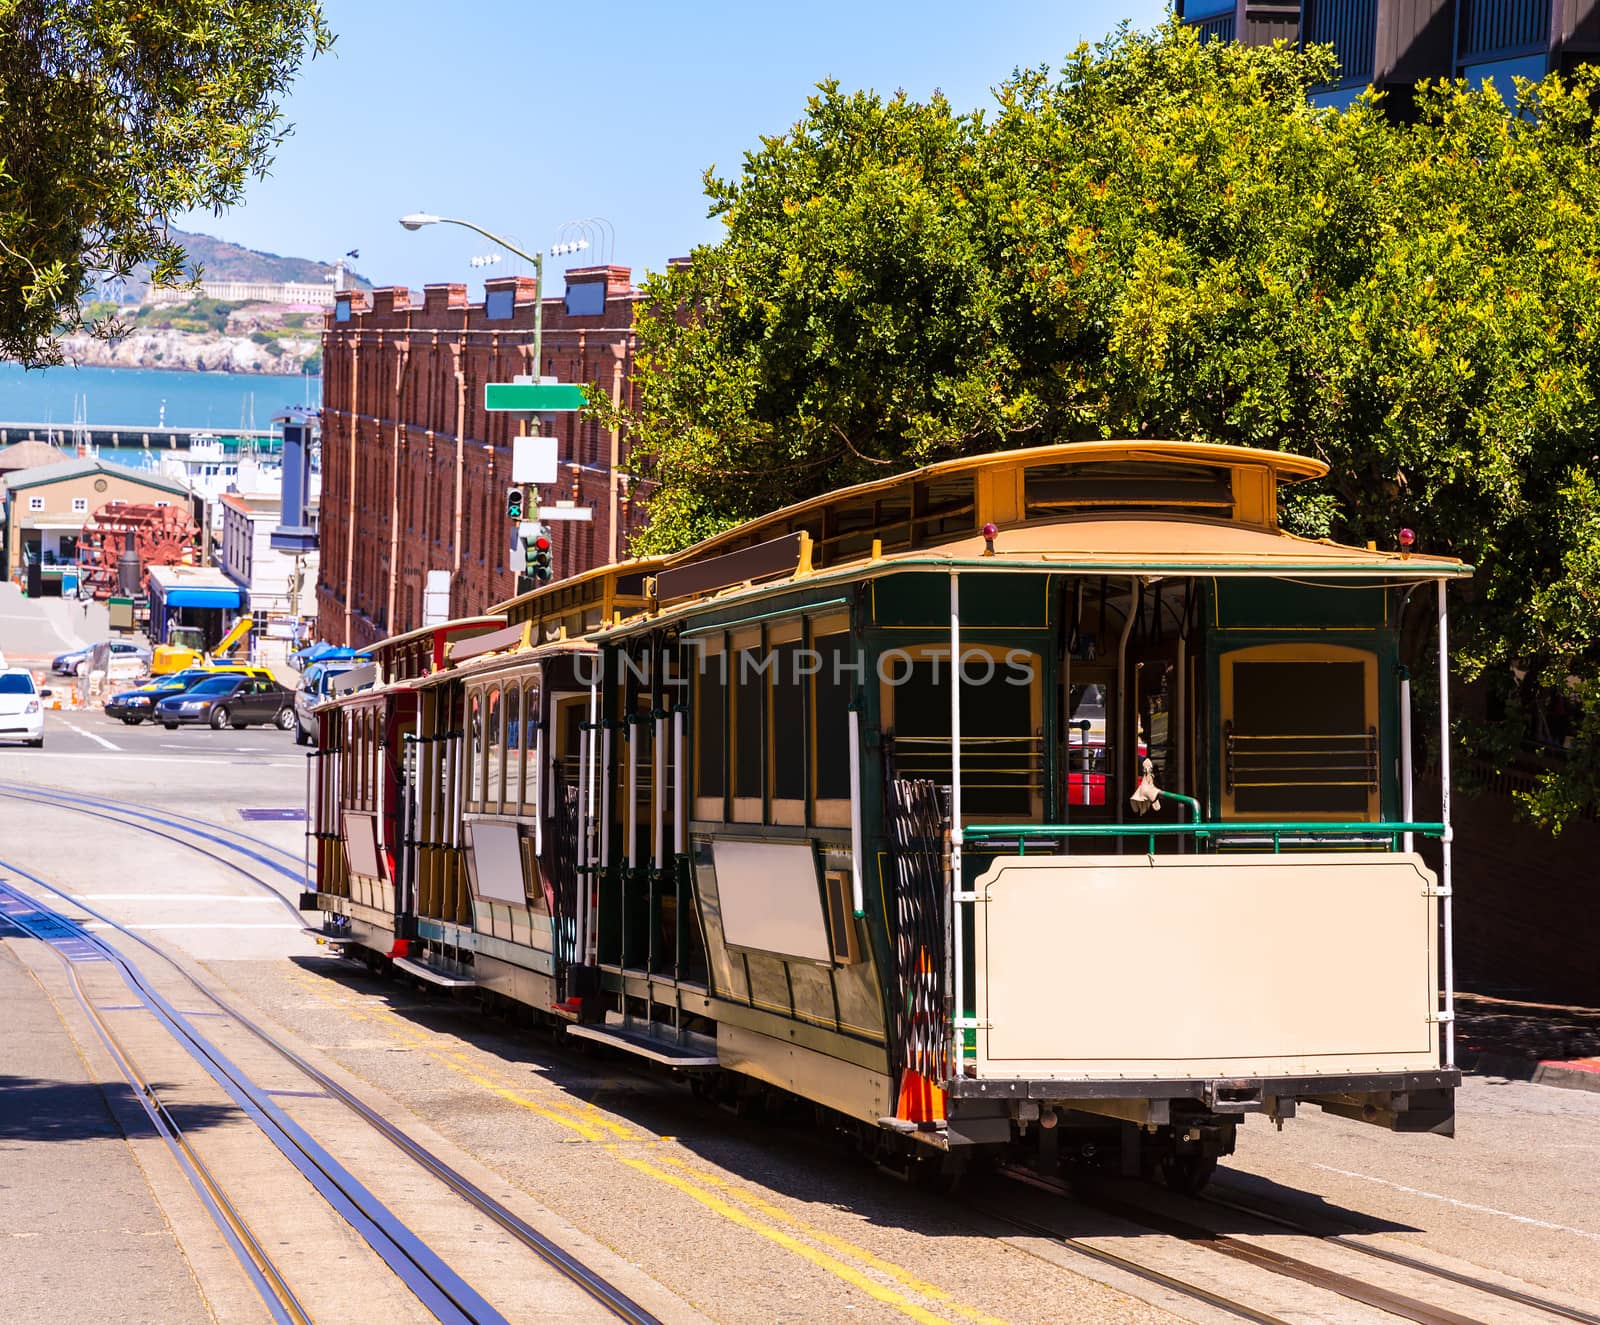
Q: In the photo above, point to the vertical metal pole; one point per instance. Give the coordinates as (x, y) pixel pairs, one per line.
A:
(605, 798)
(1406, 811)
(584, 879)
(1448, 897)
(958, 961)
(858, 892)
(590, 928)
(1114, 715)
(538, 790)
(658, 846)
(631, 818)
(679, 774)
(314, 815)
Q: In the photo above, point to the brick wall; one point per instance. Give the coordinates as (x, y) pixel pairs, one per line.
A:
(414, 470)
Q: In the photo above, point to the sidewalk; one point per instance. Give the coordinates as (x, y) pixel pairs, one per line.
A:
(1551, 1044)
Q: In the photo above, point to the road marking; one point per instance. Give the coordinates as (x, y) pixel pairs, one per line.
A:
(174, 897)
(72, 726)
(1463, 1205)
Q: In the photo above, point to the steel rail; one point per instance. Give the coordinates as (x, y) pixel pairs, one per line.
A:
(264, 1276)
(439, 1288)
(1138, 1269)
(597, 1287)
(1346, 1286)
(110, 813)
(176, 817)
(1410, 1262)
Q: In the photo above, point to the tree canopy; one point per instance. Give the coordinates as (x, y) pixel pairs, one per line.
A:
(1166, 239)
(115, 116)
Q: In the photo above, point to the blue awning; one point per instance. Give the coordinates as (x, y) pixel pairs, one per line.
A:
(192, 596)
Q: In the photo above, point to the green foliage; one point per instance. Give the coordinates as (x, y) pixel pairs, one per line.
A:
(1167, 240)
(196, 315)
(116, 115)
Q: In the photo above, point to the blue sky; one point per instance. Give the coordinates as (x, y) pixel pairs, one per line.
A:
(523, 118)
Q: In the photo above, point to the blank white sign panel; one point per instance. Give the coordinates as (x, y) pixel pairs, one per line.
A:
(770, 898)
(497, 863)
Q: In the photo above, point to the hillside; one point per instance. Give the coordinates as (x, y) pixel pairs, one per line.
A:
(219, 260)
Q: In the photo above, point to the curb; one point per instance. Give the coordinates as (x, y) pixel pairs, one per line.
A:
(1569, 1074)
(1574, 1074)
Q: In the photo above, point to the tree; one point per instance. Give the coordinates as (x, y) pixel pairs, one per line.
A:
(116, 116)
(1168, 240)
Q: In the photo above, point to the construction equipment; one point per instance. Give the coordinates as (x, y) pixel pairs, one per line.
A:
(185, 647)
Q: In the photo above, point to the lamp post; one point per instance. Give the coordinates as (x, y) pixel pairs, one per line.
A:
(416, 220)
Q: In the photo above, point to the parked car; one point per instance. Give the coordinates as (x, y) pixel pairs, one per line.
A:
(76, 662)
(134, 706)
(229, 700)
(316, 685)
(21, 708)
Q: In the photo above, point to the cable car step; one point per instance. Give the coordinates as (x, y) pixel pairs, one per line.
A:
(663, 1045)
(433, 974)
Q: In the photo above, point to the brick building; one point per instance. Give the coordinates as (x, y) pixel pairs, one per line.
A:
(415, 471)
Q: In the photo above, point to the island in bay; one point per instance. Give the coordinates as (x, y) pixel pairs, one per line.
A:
(251, 312)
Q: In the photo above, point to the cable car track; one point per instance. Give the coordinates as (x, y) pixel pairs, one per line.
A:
(1347, 1286)
(141, 818)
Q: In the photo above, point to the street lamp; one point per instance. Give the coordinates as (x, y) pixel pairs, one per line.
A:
(416, 220)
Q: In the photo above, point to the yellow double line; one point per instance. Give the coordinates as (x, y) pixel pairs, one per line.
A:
(880, 1279)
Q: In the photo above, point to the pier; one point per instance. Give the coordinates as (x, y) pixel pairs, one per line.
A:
(124, 436)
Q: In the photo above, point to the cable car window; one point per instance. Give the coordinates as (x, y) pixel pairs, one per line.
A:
(475, 748)
(1069, 489)
(1002, 747)
(1091, 774)
(493, 750)
(944, 506)
(786, 730)
(831, 690)
(533, 743)
(1299, 733)
(513, 748)
(750, 666)
(710, 728)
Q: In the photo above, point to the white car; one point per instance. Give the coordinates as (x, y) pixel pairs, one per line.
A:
(21, 709)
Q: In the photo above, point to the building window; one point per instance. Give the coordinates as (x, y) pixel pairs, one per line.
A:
(36, 503)
(80, 505)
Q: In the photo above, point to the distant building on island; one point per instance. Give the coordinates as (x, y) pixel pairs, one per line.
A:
(320, 294)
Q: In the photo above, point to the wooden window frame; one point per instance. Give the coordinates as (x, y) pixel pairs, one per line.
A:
(1000, 654)
(476, 747)
(1303, 651)
(831, 811)
(788, 811)
(711, 807)
(746, 809)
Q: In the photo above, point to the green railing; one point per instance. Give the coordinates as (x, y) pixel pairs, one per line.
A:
(1242, 830)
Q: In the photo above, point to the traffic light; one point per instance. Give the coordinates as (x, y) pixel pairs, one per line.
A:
(514, 502)
(540, 555)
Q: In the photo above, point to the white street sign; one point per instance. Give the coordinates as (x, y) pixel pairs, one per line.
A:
(566, 512)
(533, 460)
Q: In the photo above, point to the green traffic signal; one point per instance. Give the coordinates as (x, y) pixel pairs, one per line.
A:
(514, 503)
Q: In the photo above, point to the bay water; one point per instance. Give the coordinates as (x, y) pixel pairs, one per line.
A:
(149, 397)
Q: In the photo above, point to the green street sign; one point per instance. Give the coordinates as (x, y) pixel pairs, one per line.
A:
(533, 397)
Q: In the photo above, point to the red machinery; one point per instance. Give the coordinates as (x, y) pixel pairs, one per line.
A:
(158, 535)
